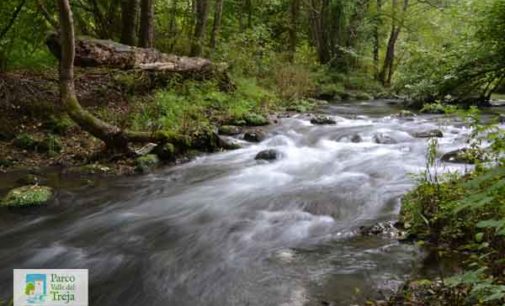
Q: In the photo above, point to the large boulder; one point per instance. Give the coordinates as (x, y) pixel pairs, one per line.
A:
(269, 155)
(429, 134)
(27, 196)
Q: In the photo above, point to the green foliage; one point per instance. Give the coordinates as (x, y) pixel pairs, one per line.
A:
(25, 141)
(460, 55)
(438, 108)
(188, 106)
(466, 212)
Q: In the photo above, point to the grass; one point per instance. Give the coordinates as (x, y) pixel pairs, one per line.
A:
(192, 105)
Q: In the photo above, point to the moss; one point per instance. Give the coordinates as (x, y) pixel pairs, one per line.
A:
(59, 124)
(363, 96)
(50, 144)
(229, 130)
(26, 196)
(165, 152)
(254, 119)
(25, 142)
(146, 163)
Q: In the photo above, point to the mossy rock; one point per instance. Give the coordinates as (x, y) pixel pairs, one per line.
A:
(26, 142)
(26, 196)
(146, 163)
(254, 119)
(229, 130)
(363, 96)
(165, 152)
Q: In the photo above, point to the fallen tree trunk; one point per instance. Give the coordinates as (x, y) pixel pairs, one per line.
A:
(91, 52)
(158, 66)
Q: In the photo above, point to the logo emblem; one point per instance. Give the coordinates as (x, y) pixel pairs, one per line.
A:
(35, 288)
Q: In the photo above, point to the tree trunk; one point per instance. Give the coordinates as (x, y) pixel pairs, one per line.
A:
(386, 74)
(249, 9)
(105, 53)
(376, 39)
(115, 139)
(202, 10)
(146, 32)
(316, 11)
(293, 37)
(218, 14)
(129, 12)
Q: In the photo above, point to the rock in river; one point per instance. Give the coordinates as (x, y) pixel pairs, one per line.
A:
(382, 229)
(356, 138)
(463, 156)
(26, 196)
(269, 155)
(254, 136)
(383, 139)
(322, 120)
(429, 134)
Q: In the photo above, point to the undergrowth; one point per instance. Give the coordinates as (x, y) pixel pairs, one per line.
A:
(465, 213)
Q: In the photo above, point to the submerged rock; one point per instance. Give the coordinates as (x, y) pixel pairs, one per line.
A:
(323, 120)
(269, 155)
(26, 196)
(429, 134)
(229, 130)
(356, 138)
(254, 136)
(383, 139)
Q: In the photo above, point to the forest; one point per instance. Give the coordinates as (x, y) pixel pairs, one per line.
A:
(253, 152)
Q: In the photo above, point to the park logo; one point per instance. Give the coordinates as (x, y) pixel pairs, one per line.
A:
(50, 287)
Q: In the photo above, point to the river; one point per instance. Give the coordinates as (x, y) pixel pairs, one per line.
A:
(225, 229)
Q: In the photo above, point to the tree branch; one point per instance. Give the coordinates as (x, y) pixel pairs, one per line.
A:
(12, 20)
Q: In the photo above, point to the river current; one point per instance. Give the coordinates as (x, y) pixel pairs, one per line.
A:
(225, 229)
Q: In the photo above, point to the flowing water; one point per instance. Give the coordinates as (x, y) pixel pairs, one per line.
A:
(225, 229)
